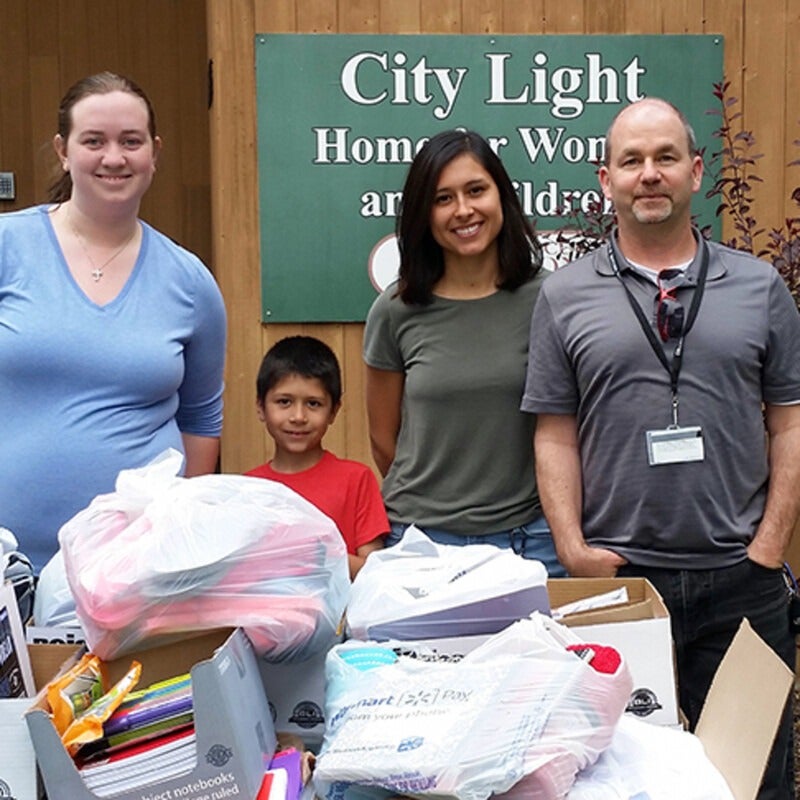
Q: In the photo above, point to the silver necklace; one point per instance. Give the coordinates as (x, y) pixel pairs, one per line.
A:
(97, 272)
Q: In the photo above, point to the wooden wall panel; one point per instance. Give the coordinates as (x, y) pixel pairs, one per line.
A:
(645, 16)
(606, 17)
(759, 61)
(482, 16)
(397, 16)
(234, 204)
(792, 102)
(764, 88)
(360, 16)
(49, 45)
(564, 16)
(520, 18)
(14, 102)
(316, 17)
(440, 16)
(279, 16)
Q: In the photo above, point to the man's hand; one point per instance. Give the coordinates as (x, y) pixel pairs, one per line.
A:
(584, 561)
(760, 554)
(782, 508)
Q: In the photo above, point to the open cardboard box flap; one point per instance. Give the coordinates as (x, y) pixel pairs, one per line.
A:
(624, 612)
(742, 711)
(744, 705)
(644, 602)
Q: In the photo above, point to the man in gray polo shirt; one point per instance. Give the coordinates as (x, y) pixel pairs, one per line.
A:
(657, 365)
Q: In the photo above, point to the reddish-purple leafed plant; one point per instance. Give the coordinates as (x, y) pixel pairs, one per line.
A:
(734, 174)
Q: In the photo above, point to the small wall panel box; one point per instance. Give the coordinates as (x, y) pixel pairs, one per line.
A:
(7, 191)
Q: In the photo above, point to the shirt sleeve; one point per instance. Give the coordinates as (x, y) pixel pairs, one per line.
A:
(381, 346)
(200, 395)
(781, 377)
(550, 384)
(371, 519)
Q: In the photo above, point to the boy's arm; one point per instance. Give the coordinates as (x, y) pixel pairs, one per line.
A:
(357, 561)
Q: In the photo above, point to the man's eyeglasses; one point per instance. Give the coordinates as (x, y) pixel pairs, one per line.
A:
(669, 310)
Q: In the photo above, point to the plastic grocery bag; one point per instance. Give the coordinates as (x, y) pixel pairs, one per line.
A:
(519, 710)
(419, 589)
(164, 555)
(54, 605)
(651, 762)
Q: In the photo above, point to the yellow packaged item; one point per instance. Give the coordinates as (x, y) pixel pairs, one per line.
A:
(75, 691)
(88, 725)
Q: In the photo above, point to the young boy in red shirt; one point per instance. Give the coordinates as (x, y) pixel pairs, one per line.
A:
(299, 392)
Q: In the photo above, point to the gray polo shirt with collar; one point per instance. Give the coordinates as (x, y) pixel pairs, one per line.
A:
(589, 357)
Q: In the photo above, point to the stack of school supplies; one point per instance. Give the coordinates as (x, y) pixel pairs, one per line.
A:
(149, 737)
(283, 779)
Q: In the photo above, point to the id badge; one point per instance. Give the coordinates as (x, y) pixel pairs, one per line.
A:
(675, 446)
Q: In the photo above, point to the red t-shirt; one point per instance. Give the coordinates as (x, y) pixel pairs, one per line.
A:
(344, 490)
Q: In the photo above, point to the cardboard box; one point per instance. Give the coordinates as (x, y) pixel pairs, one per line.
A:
(744, 705)
(235, 735)
(297, 691)
(296, 695)
(17, 759)
(639, 630)
(742, 711)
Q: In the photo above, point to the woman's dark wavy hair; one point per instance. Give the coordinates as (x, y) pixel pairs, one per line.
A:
(60, 189)
(421, 257)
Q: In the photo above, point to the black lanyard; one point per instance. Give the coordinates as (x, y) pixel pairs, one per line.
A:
(673, 369)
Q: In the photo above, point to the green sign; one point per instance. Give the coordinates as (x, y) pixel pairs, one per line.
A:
(340, 118)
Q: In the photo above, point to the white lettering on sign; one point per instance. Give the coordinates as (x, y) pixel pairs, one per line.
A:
(335, 146)
(553, 201)
(547, 200)
(548, 142)
(392, 79)
(419, 83)
(560, 88)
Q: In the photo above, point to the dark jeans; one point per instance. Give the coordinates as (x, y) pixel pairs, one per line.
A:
(706, 607)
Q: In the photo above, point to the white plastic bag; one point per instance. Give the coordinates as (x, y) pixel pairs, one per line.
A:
(54, 605)
(653, 762)
(419, 589)
(520, 707)
(164, 555)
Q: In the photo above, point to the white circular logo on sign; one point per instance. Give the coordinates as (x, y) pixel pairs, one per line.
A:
(384, 262)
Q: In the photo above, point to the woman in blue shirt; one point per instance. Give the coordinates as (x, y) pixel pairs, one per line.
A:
(112, 336)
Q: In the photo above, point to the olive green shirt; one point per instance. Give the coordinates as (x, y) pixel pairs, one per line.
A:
(464, 456)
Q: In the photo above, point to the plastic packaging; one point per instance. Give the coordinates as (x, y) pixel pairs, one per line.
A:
(165, 555)
(16, 569)
(518, 711)
(54, 605)
(73, 692)
(419, 589)
(653, 762)
(88, 724)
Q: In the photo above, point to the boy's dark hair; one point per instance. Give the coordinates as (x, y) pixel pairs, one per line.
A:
(300, 355)
(421, 257)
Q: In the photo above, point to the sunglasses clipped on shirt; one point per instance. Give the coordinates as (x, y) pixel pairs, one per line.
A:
(669, 310)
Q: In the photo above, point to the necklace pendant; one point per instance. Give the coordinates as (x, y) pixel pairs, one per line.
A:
(97, 273)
